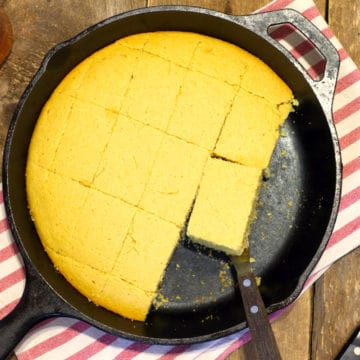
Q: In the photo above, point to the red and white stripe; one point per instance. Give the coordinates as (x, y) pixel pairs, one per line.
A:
(61, 338)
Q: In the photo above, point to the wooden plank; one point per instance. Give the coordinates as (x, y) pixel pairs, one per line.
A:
(344, 20)
(237, 7)
(321, 5)
(336, 307)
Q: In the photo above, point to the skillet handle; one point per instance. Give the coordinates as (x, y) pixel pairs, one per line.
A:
(37, 303)
(263, 340)
(325, 87)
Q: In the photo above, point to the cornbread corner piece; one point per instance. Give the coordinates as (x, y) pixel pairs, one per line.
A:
(175, 46)
(49, 129)
(174, 180)
(87, 131)
(103, 78)
(55, 204)
(261, 80)
(201, 109)
(126, 165)
(153, 90)
(250, 132)
(126, 299)
(87, 280)
(224, 206)
(221, 59)
(147, 251)
(100, 231)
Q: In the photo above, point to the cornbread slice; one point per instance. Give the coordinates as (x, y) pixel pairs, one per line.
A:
(55, 204)
(126, 299)
(127, 160)
(106, 76)
(144, 98)
(103, 78)
(224, 206)
(250, 132)
(262, 81)
(174, 180)
(166, 45)
(221, 60)
(88, 280)
(48, 131)
(201, 109)
(80, 148)
(104, 222)
(149, 245)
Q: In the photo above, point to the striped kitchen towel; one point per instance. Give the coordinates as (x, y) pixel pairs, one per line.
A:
(64, 338)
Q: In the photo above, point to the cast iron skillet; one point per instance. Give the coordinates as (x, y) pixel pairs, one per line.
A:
(292, 229)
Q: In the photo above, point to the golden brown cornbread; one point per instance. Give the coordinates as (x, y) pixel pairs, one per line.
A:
(256, 118)
(221, 215)
(128, 159)
(122, 146)
(174, 179)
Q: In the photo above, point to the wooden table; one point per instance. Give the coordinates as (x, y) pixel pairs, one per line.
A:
(318, 325)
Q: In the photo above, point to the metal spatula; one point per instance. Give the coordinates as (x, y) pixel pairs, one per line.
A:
(263, 340)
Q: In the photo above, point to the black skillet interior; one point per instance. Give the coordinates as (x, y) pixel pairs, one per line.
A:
(297, 202)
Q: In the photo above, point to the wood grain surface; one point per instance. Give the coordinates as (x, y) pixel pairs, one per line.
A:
(318, 324)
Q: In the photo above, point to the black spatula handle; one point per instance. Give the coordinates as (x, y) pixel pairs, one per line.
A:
(263, 339)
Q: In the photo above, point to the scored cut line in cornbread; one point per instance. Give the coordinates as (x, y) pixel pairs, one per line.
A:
(175, 177)
(156, 239)
(124, 173)
(76, 143)
(196, 119)
(48, 132)
(120, 149)
(103, 85)
(164, 80)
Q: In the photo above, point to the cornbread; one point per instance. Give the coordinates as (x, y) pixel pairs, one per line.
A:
(162, 92)
(222, 213)
(249, 142)
(145, 133)
(174, 179)
(196, 119)
(124, 173)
